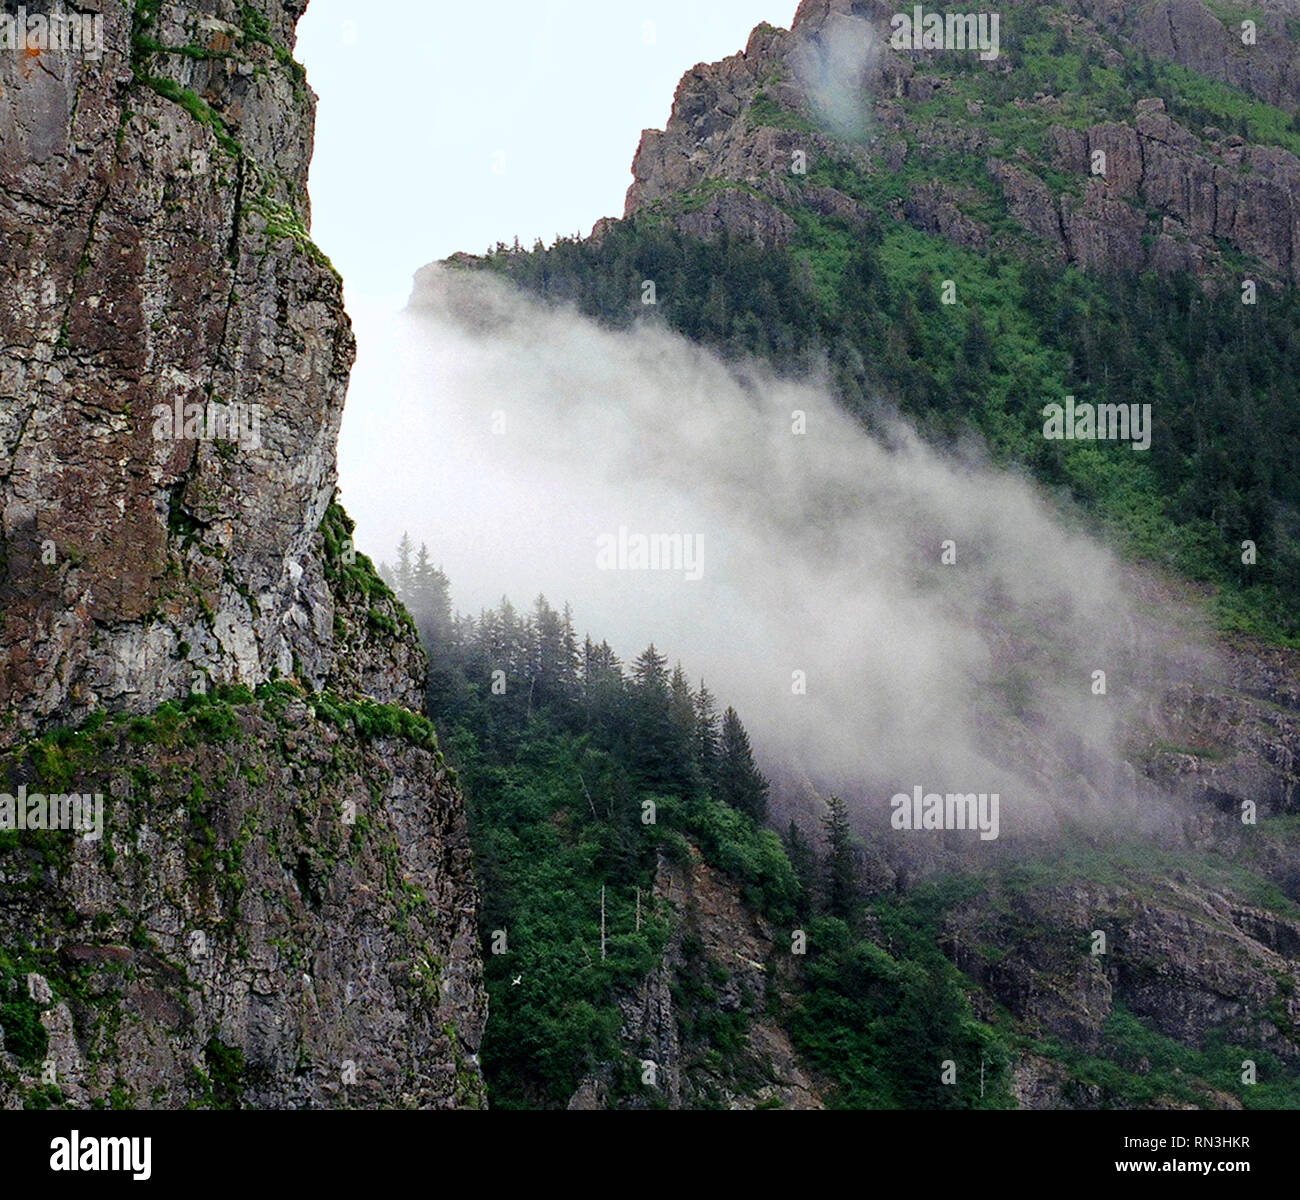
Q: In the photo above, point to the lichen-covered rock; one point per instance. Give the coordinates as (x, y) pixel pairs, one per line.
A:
(280, 913)
(153, 212)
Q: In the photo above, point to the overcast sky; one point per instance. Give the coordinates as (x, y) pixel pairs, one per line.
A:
(449, 126)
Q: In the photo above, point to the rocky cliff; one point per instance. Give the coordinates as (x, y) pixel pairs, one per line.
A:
(1044, 146)
(154, 217)
(279, 911)
(704, 1019)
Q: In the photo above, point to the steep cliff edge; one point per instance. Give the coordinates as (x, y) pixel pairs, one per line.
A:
(153, 209)
(1094, 128)
(279, 911)
(704, 1020)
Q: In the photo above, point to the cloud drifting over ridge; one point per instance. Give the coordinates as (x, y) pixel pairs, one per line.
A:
(516, 436)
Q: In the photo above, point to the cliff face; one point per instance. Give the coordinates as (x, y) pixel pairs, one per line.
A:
(881, 128)
(280, 909)
(280, 914)
(153, 211)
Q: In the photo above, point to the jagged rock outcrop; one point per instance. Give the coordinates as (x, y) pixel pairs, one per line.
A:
(1192, 964)
(280, 914)
(1248, 196)
(1201, 935)
(280, 911)
(747, 135)
(1230, 745)
(1191, 34)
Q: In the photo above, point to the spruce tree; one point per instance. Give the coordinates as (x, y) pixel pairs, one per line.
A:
(682, 703)
(429, 602)
(661, 749)
(706, 735)
(403, 573)
(803, 861)
(650, 672)
(739, 782)
(841, 871)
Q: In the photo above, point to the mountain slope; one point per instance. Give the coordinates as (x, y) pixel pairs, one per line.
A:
(926, 229)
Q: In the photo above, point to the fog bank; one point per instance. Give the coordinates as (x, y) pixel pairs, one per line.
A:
(513, 439)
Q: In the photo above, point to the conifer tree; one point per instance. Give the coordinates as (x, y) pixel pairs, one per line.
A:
(682, 702)
(429, 602)
(841, 869)
(402, 575)
(650, 671)
(803, 860)
(706, 735)
(661, 749)
(739, 782)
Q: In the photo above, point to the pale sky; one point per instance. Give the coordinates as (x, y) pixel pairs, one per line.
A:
(449, 126)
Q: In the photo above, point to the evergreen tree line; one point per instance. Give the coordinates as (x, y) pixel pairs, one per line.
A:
(422, 588)
(829, 881)
(495, 673)
(670, 733)
(558, 746)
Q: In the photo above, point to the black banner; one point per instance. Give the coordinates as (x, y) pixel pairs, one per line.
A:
(84, 1151)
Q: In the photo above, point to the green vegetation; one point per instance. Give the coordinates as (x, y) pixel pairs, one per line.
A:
(20, 1016)
(587, 780)
(224, 1075)
(883, 1022)
(580, 775)
(353, 574)
(1141, 1066)
(281, 221)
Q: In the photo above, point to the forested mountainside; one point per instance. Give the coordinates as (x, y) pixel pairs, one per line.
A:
(739, 968)
(1104, 210)
(1099, 198)
(276, 905)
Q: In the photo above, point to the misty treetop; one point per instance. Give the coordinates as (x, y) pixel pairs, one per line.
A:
(583, 776)
(504, 667)
(562, 764)
(421, 587)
